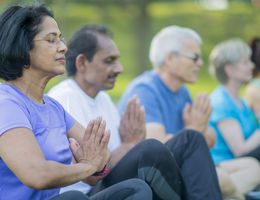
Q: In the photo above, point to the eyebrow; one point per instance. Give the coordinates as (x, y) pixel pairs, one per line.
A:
(54, 33)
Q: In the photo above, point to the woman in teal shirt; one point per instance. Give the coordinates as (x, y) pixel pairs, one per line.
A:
(236, 128)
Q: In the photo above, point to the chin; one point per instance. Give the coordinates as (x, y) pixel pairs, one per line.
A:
(192, 81)
(60, 70)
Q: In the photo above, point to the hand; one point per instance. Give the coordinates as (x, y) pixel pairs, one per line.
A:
(197, 116)
(132, 126)
(93, 147)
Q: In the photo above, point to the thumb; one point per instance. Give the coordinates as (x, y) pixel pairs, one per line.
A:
(186, 109)
(74, 145)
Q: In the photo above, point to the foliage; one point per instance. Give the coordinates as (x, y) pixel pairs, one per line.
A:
(241, 19)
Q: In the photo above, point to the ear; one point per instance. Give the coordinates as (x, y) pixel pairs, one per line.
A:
(228, 70)
(168, 59)
(81, 62)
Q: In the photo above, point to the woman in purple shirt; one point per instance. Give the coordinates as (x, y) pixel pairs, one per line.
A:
(35, 130)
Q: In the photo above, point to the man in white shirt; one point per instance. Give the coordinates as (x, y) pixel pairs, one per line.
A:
(92, 65)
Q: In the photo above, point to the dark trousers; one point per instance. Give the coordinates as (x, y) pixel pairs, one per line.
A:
(153, 162)
(127, 190)
(199, 173)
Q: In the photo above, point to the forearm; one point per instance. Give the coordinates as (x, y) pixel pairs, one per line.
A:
(250, 144)
(210, 137)
(52, 174)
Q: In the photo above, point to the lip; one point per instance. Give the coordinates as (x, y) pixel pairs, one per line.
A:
(61, 59)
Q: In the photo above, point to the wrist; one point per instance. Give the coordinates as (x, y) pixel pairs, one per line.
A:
(101, 173)
(129, 145)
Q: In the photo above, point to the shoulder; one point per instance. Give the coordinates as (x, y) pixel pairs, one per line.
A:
(9, 95)
(219, 97)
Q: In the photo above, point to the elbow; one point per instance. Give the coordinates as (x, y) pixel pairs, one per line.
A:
(211, 143)
(36, 184)
(239, 152)
(38, 180)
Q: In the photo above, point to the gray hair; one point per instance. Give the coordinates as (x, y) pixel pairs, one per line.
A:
(229, 52)
(169, 39)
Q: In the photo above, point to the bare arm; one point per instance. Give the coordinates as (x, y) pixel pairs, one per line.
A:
(157, 131)
(195, 117)
(28, 163)
(211, 137)
(233, 135)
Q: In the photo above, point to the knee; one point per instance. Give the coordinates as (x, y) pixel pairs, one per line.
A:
(70, 195)
(139, 185)
(253, 164)
(193, 136)
(227, 186)
(153, 149)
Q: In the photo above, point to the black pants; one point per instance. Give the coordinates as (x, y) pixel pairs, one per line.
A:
(199, 173)
(131, 189)
(154, 163)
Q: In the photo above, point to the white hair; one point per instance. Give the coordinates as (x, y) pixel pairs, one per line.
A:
(169, 39)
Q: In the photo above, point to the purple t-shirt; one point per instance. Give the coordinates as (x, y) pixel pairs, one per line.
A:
(49, 122)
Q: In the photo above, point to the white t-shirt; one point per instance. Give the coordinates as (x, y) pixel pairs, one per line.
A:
(84, 108)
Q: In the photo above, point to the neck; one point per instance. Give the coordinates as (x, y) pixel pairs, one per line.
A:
(88, 89)
(32, 86)
(172, 83)
(233, 88)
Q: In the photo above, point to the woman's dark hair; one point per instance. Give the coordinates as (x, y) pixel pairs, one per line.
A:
(254, 43)
(18, 27)
(84, 41)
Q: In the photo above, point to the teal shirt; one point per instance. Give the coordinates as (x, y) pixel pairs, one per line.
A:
(224, 107)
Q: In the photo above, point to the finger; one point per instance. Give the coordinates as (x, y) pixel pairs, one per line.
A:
(132, 105)
(137, 112)
(123, 119)
(142, 114)
(74, 146)
(100, 132)
(209, 111)
(96, 127)
(196, 101)
(208, 107)
(202, 103)
(88, 131)
(186, 109)
(128, 107)
(105, 139)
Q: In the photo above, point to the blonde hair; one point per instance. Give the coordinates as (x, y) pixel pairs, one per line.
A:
(229, 52)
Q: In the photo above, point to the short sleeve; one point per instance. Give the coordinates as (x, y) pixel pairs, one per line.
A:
(150, 102)
(69, 120)
(12, 116)
(221, 111)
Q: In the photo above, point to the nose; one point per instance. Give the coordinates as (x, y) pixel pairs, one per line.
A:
(200, 61)
(118, 68)
(62, 47)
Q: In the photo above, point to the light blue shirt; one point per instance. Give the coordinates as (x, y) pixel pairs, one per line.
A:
(49, 123)
(224, 107)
